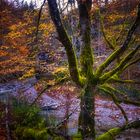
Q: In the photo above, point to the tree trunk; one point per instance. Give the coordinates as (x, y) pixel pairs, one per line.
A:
(65, 40)
(86, 118)
(87, 114)
(86, 56)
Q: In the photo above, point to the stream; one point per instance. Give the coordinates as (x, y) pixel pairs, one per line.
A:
(56, 106)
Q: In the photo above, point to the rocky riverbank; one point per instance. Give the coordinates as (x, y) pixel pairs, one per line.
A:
(57, 104)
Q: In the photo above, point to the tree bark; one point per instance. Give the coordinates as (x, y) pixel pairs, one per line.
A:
(87, 114)
(86, 118)
(65, 40)
(86, 56)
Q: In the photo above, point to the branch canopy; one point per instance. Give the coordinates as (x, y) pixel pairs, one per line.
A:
(123, 48)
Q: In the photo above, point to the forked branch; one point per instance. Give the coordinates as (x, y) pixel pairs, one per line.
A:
(122, 64)
(122, 49)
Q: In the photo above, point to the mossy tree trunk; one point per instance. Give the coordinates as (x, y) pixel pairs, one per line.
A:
(86, 118)
(90, 80)
(87, 113)
(86, 56)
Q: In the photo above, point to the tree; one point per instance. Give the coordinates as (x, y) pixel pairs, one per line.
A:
(88, 79)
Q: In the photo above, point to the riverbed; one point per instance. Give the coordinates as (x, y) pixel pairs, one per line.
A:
(58, 104)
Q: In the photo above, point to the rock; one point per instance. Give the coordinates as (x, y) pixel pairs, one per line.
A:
(50, 107)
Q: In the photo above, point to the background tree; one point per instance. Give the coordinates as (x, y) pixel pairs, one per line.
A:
(18, 38)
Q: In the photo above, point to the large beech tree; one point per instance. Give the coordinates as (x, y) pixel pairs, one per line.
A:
(93, 80)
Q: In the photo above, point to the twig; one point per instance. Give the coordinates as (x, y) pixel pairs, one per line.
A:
(110, 45)
(48, 87)
(68, 116)
(39, 16)
(113, 80)
(115, 100)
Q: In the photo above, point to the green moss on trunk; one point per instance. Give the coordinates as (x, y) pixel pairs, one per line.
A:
(87, 114)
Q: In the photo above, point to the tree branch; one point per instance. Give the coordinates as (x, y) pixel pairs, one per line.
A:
(109, 44)
(124, 47)
(109, 74)
(112, 133)
(129, 102)
(108, 90)
(113, 80)
(125, 101)
(48, 87)
(40, 94)
(39, 16)
(128, 65)
(65, 40)
(62, 10)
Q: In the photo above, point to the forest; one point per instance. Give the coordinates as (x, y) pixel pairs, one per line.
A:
(69, 69)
